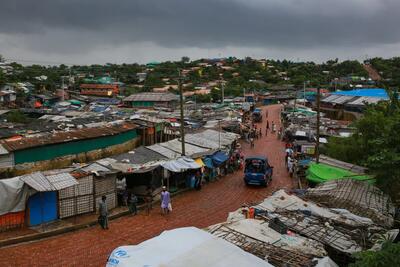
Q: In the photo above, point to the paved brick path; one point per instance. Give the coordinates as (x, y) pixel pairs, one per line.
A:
(211, 205)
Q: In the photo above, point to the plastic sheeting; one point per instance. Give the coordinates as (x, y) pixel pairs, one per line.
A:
(183, 247)
(200, 162)
(13, 195)
(208, 162)
(180, 165)
(219, 158)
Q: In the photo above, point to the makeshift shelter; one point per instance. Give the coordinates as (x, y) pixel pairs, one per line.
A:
(219, 158)
(359, 197)
(141, 168)
(339, 229)
(180, 165)
(77, 199)
(184, 247)
(257, 238)
(104, 183)
(168, 153)
(341, 164)
(182, 171)
(210, 170)
(13, 195)
(319, 173)
(42, 206)
(140, 155)
(190, 150)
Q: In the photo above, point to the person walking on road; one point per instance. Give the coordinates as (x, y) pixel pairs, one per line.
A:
(133, 204)
(103, 211)
(267, 125)
(252, 142)
(165, 201)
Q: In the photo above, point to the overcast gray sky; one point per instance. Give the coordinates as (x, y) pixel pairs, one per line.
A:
(117, 31)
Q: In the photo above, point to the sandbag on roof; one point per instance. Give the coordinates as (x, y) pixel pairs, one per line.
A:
(358, 197)
(184, 247)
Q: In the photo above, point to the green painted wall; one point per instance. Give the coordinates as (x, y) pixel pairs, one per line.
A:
(70, 148)
(142, 104)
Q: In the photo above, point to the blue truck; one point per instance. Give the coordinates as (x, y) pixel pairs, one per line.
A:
(257, 115)
(257, 171)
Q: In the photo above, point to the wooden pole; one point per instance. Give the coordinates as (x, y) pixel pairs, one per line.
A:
(318, 125)
(182, 117)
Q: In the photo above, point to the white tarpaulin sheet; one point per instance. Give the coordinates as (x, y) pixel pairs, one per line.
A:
(13, 195)
(180, 165)
(184, 247)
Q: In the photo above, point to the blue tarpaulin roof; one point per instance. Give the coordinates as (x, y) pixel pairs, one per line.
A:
(370, 92)
(219, 158)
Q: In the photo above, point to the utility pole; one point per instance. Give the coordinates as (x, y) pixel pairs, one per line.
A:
(182, 117)
(222, 89)
(62, 88)
(318, 123)
(295, 98)
(219, 134)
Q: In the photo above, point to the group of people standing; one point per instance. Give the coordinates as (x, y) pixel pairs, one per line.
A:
(132, 202)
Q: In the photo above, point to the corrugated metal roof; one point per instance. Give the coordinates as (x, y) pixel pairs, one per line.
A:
(330, 98)
(95, 167)
(197, 140)
(168, 153)
(342, 99)
(224, 137)
(156, 97)
(3, 151)
(140, 155)
(42, 183)
(364, 99)
(62, 137)
(190, 150)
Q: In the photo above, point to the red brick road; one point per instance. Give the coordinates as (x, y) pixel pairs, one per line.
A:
(91, 247)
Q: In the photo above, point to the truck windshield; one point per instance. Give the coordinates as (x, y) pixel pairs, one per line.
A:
(255, 166)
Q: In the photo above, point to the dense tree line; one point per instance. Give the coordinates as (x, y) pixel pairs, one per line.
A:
(244, 73)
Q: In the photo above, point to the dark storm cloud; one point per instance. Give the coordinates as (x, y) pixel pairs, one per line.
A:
(68, 25)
